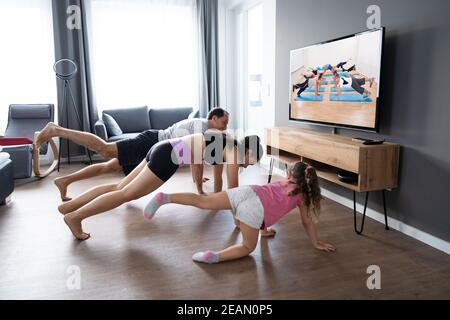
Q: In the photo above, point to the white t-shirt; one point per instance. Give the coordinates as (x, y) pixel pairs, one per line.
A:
(184, 128)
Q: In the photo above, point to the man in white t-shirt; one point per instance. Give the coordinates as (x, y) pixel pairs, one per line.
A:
(125, 154)
(345, 79)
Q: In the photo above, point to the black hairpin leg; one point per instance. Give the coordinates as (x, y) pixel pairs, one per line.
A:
(270, 170)
(364, 213)
(386, 226)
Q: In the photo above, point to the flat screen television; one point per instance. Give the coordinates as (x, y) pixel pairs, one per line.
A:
(337, 82)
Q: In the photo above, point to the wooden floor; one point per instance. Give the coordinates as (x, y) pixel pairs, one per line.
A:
(128, 257)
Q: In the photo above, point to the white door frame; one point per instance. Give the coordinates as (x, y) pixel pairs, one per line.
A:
(233, 66)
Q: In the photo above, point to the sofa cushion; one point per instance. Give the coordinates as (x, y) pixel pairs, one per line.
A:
(123, 136)
(162, 118)
(111, 125)
(131, 119)
(35, 111)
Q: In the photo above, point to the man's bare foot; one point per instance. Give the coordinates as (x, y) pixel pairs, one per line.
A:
(62, 186)
(74, 225)
(45, 134)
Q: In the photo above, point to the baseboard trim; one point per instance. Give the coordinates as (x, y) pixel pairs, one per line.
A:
(400, 226)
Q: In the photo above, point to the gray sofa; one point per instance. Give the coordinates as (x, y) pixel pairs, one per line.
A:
(6, 177)
(133, 121)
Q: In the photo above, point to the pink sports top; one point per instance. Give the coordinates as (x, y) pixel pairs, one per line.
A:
(276, 201)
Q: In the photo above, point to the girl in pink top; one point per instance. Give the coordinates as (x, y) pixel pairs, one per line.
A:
(256, 208)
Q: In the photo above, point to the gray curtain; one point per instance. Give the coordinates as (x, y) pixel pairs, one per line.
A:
(207, 15)
(73, 44)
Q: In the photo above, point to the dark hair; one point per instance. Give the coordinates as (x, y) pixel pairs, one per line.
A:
(253, 143)
(305, 177)
(217, 112)
(320, 76)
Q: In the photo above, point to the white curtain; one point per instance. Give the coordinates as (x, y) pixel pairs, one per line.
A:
(26, 54)
(143, 52)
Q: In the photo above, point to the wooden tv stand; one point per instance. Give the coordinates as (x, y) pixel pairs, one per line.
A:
(375, 165)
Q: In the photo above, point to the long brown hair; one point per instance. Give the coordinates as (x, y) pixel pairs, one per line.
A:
(305, 177)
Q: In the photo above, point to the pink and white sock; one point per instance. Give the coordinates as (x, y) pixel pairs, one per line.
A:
(154, 204)
(206, 257)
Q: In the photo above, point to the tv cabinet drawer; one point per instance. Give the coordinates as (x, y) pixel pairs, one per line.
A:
(316, 147)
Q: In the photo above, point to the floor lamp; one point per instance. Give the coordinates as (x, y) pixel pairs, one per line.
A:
(66, 69)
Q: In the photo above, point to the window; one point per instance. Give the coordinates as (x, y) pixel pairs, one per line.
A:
(143, 52)
(27, 54)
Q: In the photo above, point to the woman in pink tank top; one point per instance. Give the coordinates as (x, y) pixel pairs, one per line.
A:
(256, 208)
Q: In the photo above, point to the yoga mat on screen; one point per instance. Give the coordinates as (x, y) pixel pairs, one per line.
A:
(312, 89)
(344, 89)
(349, 97)
(309, 97)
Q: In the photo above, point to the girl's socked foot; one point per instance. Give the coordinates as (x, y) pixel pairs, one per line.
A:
(154, 204)
(206, 257)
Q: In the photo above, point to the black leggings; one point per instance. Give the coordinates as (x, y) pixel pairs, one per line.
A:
(341, 65)
(130, 152)
(302, 86)
(353, 67)
(357, 84)
(160, 162)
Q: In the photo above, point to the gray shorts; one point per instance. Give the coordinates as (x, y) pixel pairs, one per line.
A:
(246, 206)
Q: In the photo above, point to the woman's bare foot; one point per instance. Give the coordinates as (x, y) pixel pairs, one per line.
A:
(45, 135)
(61, 184)
(74, 225)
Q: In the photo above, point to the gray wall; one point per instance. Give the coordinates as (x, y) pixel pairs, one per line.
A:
(415, 110)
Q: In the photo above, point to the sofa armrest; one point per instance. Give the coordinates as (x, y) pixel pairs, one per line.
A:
(100, 130)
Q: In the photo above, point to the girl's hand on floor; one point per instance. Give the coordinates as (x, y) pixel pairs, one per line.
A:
(325, 247)
(268, 233)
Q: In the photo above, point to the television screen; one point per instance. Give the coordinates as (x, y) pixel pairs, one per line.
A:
(337, 82)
